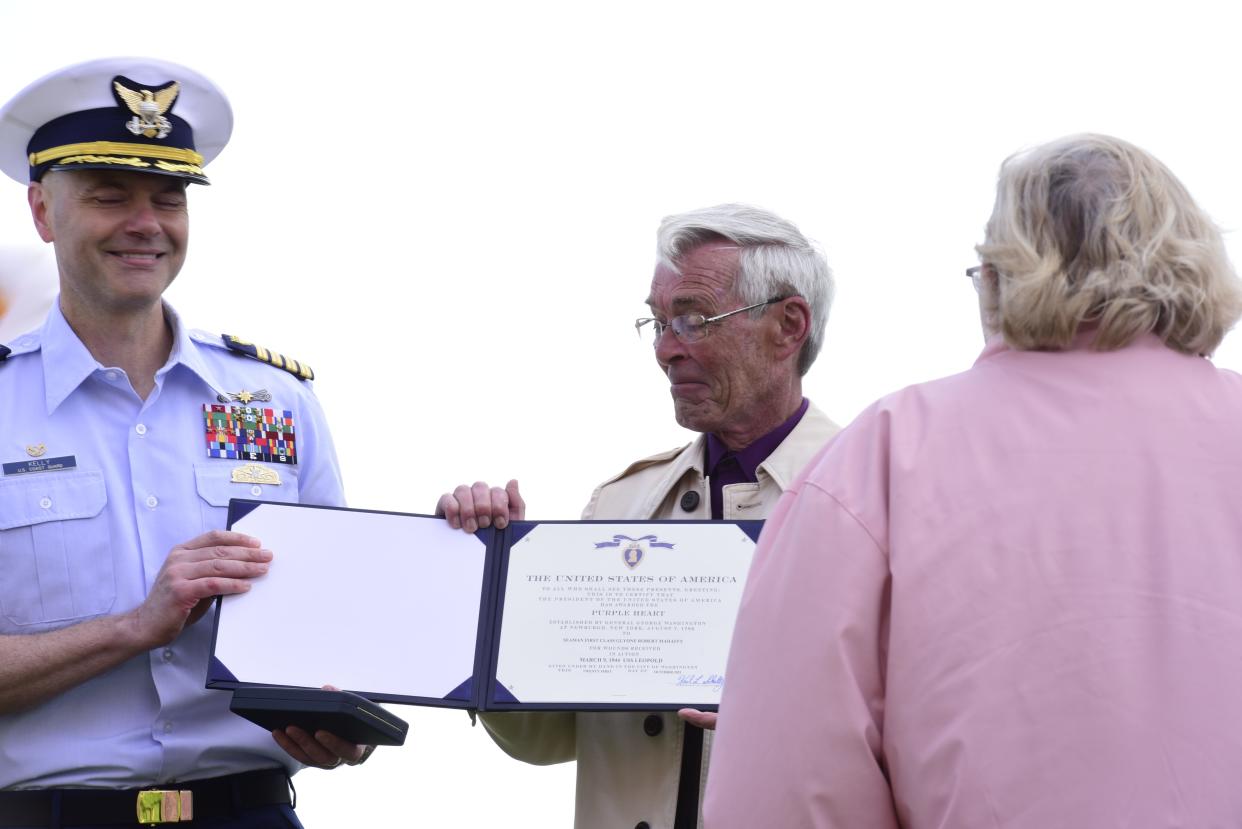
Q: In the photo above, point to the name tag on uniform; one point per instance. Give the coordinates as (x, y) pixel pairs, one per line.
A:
(40, 465)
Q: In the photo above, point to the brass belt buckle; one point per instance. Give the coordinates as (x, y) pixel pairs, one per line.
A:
(160, 806)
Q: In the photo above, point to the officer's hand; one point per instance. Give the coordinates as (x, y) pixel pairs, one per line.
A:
(471, 507)
(323, 749)
(217, 563)
(703, 719)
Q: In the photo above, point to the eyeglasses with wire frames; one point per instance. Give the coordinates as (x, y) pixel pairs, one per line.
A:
(691, 328)
(976, 274)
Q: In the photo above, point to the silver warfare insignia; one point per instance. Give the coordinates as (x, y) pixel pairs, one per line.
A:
(244, 397)
(148, 108)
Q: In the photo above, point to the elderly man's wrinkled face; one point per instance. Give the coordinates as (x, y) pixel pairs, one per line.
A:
(721, 383)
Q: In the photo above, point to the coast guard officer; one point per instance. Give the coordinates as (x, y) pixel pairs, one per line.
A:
(123, 434)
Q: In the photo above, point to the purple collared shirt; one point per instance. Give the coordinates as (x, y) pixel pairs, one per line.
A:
(726, 466)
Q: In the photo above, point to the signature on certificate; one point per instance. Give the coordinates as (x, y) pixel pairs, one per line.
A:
(716, 680)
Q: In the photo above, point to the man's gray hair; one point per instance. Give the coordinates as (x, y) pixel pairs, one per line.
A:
(775, 260)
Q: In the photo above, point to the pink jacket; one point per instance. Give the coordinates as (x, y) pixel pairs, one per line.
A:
(1011, 597)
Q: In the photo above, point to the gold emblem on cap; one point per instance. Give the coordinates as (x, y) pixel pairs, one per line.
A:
(148, 108)
(252, 473)
(180, 168)
(244, 396)
(101, 159)
(36, 451)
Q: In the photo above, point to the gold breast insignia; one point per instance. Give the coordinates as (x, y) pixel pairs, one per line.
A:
(252, 473)
(36, 451)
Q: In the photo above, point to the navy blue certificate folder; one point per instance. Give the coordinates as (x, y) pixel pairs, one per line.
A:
(543, 615)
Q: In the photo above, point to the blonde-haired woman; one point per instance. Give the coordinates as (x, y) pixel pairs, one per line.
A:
(1013, 597)
(1093, 234)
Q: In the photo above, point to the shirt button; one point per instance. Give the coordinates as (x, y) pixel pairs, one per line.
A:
(256, 490)
(112, 376)
(46, 503)
(168, 727)
(689, 501)
(141, 428)
(653, 725)
(152, 501)
(167, 654)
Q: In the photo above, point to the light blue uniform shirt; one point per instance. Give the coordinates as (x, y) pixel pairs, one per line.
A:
(86, 541)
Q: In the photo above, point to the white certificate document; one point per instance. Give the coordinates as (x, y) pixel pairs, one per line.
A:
(566, 615)
(383, 604)
(621, 614)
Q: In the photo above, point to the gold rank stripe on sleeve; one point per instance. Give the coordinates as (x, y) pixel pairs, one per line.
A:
(260, 353)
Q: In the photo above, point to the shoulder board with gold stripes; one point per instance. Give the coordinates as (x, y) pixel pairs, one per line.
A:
(260, 353)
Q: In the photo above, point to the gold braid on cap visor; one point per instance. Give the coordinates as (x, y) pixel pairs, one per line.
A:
(116, 148)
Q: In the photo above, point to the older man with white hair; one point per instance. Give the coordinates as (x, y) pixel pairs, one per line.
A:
(738, 304)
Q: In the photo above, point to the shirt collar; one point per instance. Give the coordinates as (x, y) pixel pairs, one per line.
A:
(749, 458)
(1083, 340)
(992, 346)
(186, 352)
(67, 362)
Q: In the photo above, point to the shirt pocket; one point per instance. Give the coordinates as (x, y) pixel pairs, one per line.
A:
(55, 549)
(215, 486)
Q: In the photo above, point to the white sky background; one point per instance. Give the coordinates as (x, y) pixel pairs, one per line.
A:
(449, 211)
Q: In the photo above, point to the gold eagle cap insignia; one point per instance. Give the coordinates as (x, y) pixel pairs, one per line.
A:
(148, 108)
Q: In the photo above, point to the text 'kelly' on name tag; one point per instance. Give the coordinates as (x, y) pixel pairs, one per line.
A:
(40, 465)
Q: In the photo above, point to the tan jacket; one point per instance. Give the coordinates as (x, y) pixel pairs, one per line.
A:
(628, 775)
